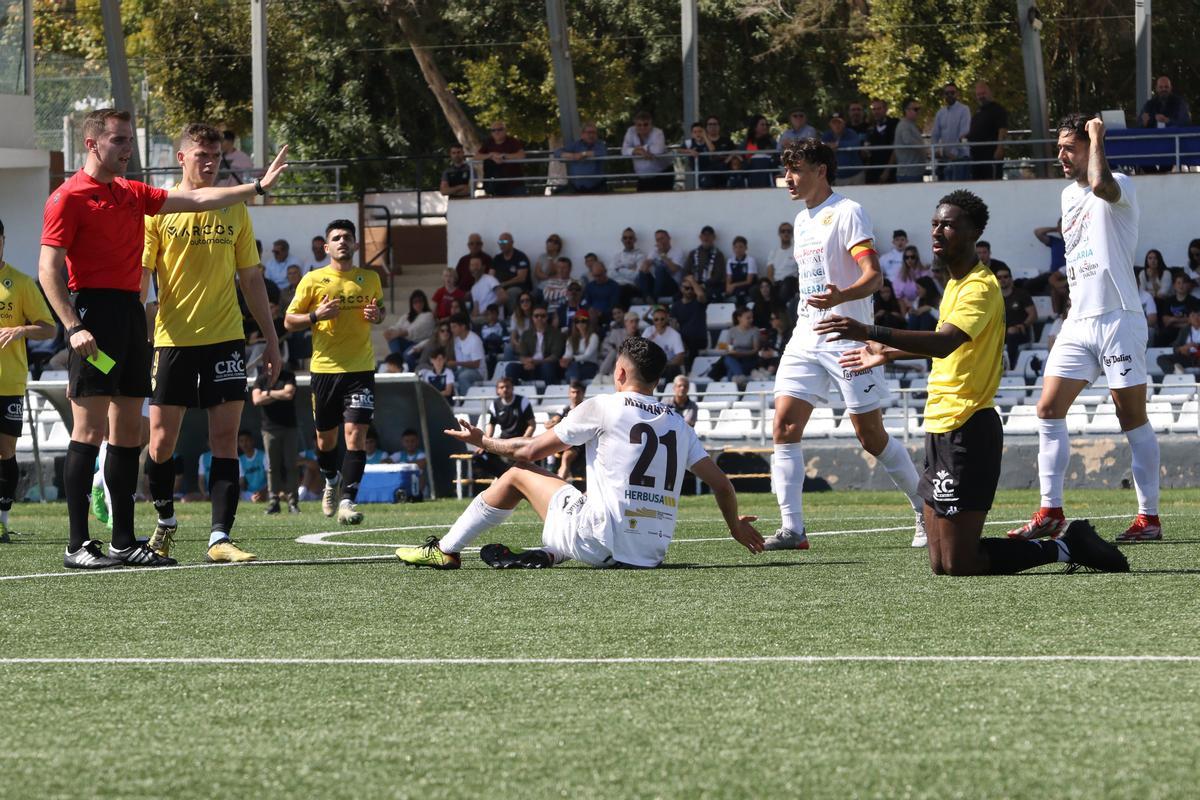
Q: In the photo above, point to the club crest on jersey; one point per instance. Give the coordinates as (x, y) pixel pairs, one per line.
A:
(827, 218)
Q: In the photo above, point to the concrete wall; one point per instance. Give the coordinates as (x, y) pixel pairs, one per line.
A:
(1169, 217)
(23, 192)
(16, 121)
(298, 224)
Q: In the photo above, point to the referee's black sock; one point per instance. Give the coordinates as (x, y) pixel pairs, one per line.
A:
(121, 475)
(353, 464)
(162, 486)
(1009, 556)
(78, 468)
(327, 463)
(9, 475)
(224, 488)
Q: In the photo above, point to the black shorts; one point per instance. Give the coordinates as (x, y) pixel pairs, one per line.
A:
(12, 409)
(339, 397)
(962, 466)
(117, 321)
(200, 376)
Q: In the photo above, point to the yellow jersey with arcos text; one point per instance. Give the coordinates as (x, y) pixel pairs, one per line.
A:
(21, 303)
(195, 255)
(966, 380)
(341, 344)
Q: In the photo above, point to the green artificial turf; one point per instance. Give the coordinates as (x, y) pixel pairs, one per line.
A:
(445, 727)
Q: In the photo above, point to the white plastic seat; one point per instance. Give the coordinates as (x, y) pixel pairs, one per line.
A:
(719, 394)
(1022, 420)
(700, 368)
(1162, 416)
(1023, 367)
(1104, 420)
(1095, 393)
(720, 316)
(704, 423)
(1044, 306)
(1012, 391)
(735, 423)
(1152, 355)
(1188, 422)
(642, 310)
(1177, 388)
(820, 424)
(1077, 419)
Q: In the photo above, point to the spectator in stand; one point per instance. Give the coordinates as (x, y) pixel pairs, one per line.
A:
(889, 310)
(690, 312)
(410, 452)
(581, 355)
(666, 337)
(939, 276)
(911, 152)
(857, 120)
(493, 333)
(1165, 109)
(442, 341)
(1020, 313)
(572, 456)
(511, 267)
(275, 267)
(1052, 237)
(463, 267)
(319, 257)
(276, 404)
(983, 250)
(762, 163)
(765, 301)
(392, 364)
(411, 329)
(950, 127)
(502, 155)
(1192, 267)
(923, 315)
(781, 265)
(447, 293)
(739, 345)
(252, 465)
(693, 148)
(236, 167)
(741, 272)
(371, 448)
(539, 351)
(659, 272)
(1150, 307)
(626, 264)
(484, 291)
(554, 289)
(681, 403)
(585, 162)
(905, 283)
(1186, 347)
(707, 265)
(775, 341)
(510, 416)
(989, 124)
(617, 334)
(293, 280)
(522, 320)
(646, 145)
(881, 132)
(456, 178)
(1052, 281)
(468, 357)
(891, 261)
(1152, 278)
(438, 375)
(716, 158)
(565, 312)
(601, 294)
(1174, 309)
(846, 143)
(798, 130)
(544, 267)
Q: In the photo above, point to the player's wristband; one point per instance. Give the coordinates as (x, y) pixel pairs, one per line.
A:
(878, 333)
(75, 330)
(312, 317)
(258, 187)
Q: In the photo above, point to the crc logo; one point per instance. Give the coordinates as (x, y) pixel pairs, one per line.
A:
(364, 398)
(13, 411)
(1120, 357)
(945, 487)
(234, 366)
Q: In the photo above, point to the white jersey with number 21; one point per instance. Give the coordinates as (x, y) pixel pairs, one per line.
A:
(637, 451)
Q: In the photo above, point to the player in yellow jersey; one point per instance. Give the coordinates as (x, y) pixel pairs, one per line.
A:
(340, 303)
(964, 439)
(23, 315)
(199, 343)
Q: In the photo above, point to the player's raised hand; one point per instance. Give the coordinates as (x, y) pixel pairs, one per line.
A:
(372, 313)
(839, 328)
(747, 535)
(328, 309)
(868, 357)
(276, 169)
(832, 296)
(1094, 128)
(466, 433)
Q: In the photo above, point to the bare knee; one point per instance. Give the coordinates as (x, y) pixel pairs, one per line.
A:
(873, 441)
(1046, 410)
(784, 431)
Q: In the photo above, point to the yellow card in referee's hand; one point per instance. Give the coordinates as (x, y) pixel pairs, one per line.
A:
(102, 361)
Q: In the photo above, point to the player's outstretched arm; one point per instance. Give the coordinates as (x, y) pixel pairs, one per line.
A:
(519, 449)
(921, 344)
(741, 528)
(213, 197)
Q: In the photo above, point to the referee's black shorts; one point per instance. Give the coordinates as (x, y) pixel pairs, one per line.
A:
(339, 397)
(962, 466)
(117, 321)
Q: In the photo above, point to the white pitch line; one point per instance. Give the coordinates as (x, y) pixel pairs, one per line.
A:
(141, 570)
(617, 660)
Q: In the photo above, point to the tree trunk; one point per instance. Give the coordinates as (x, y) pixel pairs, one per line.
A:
(405, 14)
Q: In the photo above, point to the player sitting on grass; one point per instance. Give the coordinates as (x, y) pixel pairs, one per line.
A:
(637, 451)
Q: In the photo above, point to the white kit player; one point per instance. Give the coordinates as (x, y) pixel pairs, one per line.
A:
(1105, 331)
(838, 274)
(637, 450)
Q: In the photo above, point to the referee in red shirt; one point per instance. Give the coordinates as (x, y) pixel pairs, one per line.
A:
(94, 224)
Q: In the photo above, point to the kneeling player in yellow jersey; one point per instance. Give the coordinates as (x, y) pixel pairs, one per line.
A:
(199, 343)
(340, 303)
(23, 315)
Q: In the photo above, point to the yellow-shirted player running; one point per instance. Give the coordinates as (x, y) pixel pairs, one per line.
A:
(23, 315)
(340, 302)
(199, 342)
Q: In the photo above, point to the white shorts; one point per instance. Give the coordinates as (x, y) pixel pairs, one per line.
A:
(1113, 343)
(806, 376)
(570, 529)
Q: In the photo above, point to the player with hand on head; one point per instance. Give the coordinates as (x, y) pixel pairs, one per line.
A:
(637, 450)
(340, 303)
(94, 225)
(199, 342)
(838, 271)
(23, 316)
(964, 438)
(1104, 332)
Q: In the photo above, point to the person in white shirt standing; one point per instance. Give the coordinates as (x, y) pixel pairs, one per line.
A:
(637, 449)
(838, 274)
(1105, 330)
(781, 264)
(891, 261)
